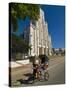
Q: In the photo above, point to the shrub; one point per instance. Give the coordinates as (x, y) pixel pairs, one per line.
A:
(32, 58)
(43, 58)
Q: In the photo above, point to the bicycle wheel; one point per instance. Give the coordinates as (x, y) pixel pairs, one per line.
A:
(46, 76)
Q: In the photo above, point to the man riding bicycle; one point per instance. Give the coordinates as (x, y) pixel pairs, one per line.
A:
(39, 68)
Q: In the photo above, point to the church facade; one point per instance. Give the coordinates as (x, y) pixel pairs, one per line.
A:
(37, 36)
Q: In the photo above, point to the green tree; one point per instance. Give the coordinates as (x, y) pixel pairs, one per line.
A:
(21, 11)
(18, 45)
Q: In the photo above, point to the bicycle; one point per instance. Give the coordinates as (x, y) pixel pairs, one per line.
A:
(40, 75)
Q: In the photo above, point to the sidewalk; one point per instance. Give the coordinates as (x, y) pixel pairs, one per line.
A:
(19, 63)
(23, 67)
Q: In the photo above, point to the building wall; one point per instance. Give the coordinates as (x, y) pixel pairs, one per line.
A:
(49, 45)
(39, 38)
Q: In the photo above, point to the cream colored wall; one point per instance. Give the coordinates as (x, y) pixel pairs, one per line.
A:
(39, 36)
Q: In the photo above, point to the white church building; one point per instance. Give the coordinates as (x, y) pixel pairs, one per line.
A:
(36, 34)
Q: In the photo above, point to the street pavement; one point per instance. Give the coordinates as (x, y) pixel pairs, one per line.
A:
(56, 73)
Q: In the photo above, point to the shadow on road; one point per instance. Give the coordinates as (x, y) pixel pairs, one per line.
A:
(29, 80)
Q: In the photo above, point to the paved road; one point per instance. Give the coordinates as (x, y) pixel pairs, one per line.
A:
(56, 74)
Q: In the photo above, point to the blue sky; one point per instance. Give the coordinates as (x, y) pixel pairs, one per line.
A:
(55, 17)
